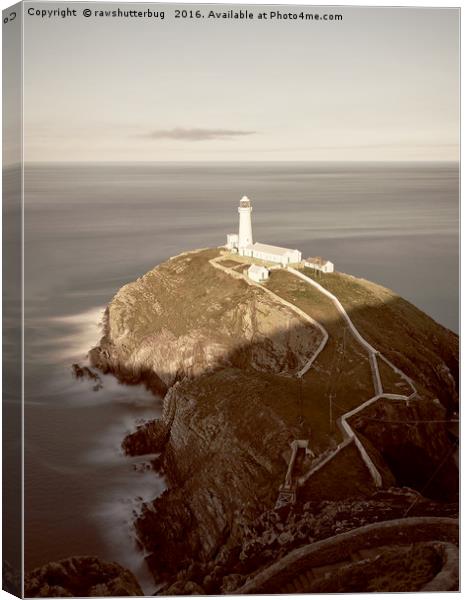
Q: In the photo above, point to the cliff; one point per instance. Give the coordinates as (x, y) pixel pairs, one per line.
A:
(184, 318)
(225, 354)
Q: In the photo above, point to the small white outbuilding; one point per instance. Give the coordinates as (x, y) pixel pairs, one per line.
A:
(258, 273)
(319, 263)
(232, 241)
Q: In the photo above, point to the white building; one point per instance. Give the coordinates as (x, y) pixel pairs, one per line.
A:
(284, 256)
(232, 241)
(258, 273)
(319, 263)
(243, 242)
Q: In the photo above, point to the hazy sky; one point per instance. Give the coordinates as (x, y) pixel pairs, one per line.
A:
(383, 84)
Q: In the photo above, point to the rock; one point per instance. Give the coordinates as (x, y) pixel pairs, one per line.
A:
(147, 439)
(86, 373)
(285, 538)
(193, 588)
(232, 582)
(412, 440)
(208, 583)
(176, 589)
(81, 576)
(184, 588)
(220, 434)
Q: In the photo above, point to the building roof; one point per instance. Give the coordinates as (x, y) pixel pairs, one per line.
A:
(272, 249)
(257, 269)
(317, 260)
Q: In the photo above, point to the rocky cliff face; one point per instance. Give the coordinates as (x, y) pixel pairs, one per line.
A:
(185, 318)
(276, 533)
(412, 440)
(222, 455)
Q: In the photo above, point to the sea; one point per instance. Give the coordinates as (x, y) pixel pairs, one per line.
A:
(91, 228)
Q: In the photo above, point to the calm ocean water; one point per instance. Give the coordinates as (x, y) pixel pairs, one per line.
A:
(91, 228)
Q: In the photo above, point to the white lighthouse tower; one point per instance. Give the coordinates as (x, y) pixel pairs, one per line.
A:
(245, 225)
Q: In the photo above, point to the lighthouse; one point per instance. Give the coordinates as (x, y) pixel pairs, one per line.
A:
(241, 243)
(245, 225)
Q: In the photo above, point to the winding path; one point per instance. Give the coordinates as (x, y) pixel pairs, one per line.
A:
(343, 421)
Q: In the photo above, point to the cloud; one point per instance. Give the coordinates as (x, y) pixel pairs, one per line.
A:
(197, 134)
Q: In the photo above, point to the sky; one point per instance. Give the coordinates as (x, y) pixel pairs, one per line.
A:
(381, 84)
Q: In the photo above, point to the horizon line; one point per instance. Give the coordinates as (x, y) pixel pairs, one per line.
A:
(199, 162)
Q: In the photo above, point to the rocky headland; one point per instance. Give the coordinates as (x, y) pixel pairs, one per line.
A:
(80, 576)
(225, 355)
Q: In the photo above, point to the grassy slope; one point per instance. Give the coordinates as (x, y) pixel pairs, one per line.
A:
(412, 340)
(153, 296)
(342, 369)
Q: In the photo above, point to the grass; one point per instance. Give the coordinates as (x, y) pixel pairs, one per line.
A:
(392, 382)
(408, 337)
(340, 378)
